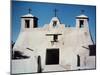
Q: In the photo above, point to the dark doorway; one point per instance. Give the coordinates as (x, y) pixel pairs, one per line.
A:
(52, 56)
(92, 49)
(39, 65)
(78, 60)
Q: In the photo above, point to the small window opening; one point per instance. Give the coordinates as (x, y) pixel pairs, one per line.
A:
(27, 23)
(55, 38)
(81, 23)
(54, 23)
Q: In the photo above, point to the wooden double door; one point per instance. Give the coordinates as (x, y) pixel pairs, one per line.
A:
(52, 56)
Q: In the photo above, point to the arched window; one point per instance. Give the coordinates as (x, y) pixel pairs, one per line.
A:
(78, 60)
(54, 23)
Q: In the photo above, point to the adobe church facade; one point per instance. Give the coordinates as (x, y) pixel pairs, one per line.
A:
(54, 47)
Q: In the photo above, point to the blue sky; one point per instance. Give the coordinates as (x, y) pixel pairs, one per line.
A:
(45, 11)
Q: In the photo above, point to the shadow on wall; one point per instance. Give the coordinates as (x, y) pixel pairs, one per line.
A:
(18, 55)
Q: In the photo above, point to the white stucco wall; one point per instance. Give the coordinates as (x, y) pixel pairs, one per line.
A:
(70, 44)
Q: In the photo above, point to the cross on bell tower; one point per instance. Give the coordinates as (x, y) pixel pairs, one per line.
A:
(55, 12)
(82, 11)
(29, 10)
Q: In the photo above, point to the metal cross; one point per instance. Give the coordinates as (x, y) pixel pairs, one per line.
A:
(29, 10)
(55, 12)
(82, 11)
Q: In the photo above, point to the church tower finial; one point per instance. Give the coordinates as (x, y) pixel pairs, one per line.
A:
(55, 12)
(82, 11)
(29, 10)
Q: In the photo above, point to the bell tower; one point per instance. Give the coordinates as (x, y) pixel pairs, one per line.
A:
(29, 21)
(82, 23)
(82, 20)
